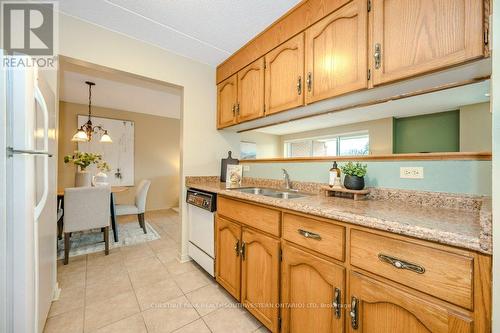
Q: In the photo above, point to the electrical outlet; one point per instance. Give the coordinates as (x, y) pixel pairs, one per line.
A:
(411, 172)
(246, 168)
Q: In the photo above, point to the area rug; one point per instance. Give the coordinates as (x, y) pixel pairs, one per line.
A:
(85, 242)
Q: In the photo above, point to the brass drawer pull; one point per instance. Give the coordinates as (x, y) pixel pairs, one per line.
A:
(308, 234)
(237, 248)
(401, 264)
(377, 55)
(309, 81)
(242, 250)
(336, 302)
(299, 85)
(354, 313)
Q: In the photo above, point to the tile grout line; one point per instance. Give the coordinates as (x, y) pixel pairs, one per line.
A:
(85, 293)
(185, 296)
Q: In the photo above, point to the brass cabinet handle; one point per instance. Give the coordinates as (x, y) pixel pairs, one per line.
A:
(238, 108)
(308, 234)
(234, 110)
(309, 81)
(299, 85)
(237, 248)
(242, 250)
(336, 302)
(377, 55)
(354, 313)
(401, 264)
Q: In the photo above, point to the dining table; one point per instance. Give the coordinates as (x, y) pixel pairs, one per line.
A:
(114, 190)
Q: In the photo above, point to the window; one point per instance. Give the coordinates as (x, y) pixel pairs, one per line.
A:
(339, 145)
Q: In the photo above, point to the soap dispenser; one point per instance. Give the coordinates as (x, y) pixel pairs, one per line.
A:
(334, 179)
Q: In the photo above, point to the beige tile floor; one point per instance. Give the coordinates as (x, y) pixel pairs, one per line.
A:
(143, 288)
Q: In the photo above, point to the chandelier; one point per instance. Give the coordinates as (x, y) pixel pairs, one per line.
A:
(84, 133)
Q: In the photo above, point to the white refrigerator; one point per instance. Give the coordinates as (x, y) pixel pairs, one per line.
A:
(30, 199)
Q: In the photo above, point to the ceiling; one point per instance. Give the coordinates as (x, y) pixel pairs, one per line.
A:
(208, 31)
(444, 100)
(119, 91)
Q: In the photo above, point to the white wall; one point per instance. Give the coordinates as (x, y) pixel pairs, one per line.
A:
(268, 145)
(475, 127)
(202, 146)
(495, 106)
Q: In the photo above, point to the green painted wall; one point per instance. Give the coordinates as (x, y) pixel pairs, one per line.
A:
(438, 132)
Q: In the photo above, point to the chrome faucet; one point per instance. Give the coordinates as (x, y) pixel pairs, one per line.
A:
(286, 177)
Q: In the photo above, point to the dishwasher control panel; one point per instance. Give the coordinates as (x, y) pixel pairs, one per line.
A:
(204, 200)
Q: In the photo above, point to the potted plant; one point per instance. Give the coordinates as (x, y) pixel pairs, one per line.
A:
(83, 160)
(354, 175)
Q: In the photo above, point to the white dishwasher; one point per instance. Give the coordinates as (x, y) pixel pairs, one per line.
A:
(201, 223)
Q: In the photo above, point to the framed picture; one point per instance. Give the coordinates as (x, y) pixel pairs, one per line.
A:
(248, 150)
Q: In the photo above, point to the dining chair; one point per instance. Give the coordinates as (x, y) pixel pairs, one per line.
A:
(140, 204)
(86, 208)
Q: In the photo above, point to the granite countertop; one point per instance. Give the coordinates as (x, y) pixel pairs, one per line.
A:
(461, 221)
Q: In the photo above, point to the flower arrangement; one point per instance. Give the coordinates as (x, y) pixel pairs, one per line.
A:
(84, 160)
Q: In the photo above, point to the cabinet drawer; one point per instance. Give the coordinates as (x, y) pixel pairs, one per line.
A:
(323, 237)
(442, 274)
(265, 219)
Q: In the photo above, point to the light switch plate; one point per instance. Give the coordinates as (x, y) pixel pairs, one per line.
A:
(246, 168)
(411, 172)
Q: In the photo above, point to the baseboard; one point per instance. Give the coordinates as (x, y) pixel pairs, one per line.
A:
(56, 292)
(184, 258)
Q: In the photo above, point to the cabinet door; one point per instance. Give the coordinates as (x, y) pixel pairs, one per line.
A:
(251, 91)
(417, 36)
(336, 53)
(379, 307)
(285, 76)
(227, 260)
(260, 277)
(226, 102)
(310, 287)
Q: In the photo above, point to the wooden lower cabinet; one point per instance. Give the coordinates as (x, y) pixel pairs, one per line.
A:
(379, 307)
(260, 277)
(309, 289)
(227, 254)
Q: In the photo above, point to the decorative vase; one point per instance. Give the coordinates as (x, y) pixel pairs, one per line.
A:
(354, 182)
(83, 179)
(101, 179)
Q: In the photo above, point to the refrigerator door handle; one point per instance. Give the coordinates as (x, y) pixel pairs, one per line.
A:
(43, 105)
(11, 151)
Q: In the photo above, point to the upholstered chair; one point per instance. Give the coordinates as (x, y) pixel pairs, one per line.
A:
(140, 204)
(86, 208)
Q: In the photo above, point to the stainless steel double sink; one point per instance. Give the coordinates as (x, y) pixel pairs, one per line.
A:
(271, 192)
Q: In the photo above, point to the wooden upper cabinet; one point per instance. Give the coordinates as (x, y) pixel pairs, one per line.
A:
(379, 307)
(227, 97)
(336, 53)
(285, 76)
(251, 92)
(260, 277)
(310, 286)
(412, 37)
(227, 256)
